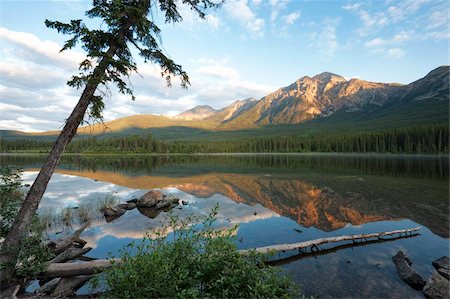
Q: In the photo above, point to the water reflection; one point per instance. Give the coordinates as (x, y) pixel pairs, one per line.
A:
(320, 196)
(325, 192)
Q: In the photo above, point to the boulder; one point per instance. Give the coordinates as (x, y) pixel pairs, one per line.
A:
(442, 262)
(150, 199)
(168, 201)
(437, 287)
(444, 272)
(149, 212)
(127, 206)
(133, 200)
(113, 211)
(406, 272)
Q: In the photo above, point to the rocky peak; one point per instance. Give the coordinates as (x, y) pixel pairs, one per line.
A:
(198, 112)
(237, 107)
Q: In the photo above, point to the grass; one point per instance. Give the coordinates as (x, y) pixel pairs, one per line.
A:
(65, 218)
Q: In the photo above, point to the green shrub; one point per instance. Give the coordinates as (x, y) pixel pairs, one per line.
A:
(195, 261)
(34, 254)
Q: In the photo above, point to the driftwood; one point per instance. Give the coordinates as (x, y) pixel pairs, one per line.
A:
(316, 242)
(59, 245)
(48, 286)
(69, 285)
(70, 254)
(307, 254)
(10, 292)
(74, 269)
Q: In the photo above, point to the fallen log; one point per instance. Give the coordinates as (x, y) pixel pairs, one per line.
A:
(316, 242)
(59, 245)
(70, 254)
(67, 286)
(75, 269)
(307, 254)
(48, 286)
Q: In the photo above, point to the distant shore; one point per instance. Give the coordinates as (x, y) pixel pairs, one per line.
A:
(342, 154)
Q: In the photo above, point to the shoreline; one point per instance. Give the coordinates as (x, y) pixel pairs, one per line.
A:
(324, 154)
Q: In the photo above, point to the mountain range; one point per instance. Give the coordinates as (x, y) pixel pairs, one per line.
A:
(325, 103)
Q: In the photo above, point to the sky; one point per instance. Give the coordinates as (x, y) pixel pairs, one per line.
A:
(246, 48)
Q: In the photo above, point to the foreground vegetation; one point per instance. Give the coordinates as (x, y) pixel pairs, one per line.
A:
(194, 261)
(426, 139)
(33, 253)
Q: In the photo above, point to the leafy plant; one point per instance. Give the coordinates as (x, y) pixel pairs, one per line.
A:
(191, 260)
(34, 253)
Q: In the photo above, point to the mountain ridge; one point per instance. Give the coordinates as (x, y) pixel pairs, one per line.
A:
(318, 99)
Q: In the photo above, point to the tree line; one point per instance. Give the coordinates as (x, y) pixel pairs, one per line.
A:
(428, 139)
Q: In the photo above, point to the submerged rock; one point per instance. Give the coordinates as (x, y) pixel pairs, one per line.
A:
(133, 200)
(168, 201)
(150, 199)
(127, 206)
(437, 287)
(149, 212)
(444, 272)
(442, 262)
(406, 272)
(112, 212)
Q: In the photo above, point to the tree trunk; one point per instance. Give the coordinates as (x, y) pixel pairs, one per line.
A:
(11, 246)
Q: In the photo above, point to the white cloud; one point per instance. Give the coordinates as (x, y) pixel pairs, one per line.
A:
(404, 8)
(395, 53)
(398, 38)
(291, 18)
(36, 49)
(241, 11)
(324, 39)
(219, 72)
(352, 6)
(213, 20)
(439, 18)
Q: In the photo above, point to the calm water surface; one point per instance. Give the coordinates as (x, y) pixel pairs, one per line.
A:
(276, 199)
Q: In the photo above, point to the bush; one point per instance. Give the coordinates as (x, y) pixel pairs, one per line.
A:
(195, 261)
(33, 253)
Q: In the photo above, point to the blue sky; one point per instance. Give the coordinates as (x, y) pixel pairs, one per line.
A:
(247, 48)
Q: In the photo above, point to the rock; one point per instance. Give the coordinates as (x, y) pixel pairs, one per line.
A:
(127, 206)
(444, 272)
(184, 202)
(406, 272)
(162, 204)
(149, 212)
(133, 200)
(150, 199)
(113, 211)
(442, 262)
(437, 287)
(168, 201)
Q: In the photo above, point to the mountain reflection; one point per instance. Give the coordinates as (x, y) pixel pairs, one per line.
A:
(323, 192)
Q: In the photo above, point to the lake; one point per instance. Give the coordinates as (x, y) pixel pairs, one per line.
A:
(276, 199)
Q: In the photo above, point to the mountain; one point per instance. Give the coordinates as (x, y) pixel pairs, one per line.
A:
(198, 112)
(325, 103)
